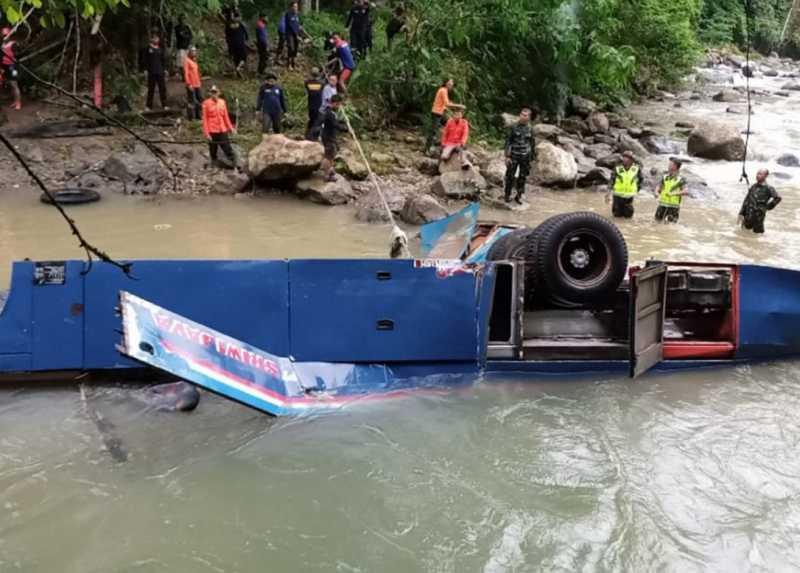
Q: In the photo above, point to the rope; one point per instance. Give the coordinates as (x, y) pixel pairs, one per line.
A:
(748, 73)
(399, 243)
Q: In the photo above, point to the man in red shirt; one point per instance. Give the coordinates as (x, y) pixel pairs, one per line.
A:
(455, 136)
(217, 125)
(191, 77)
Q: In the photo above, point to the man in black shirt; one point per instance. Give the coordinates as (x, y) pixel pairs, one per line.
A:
(183, 41)
(331, 126)
(314, 86)
(358, 20)
(154, 65)
(760, 199)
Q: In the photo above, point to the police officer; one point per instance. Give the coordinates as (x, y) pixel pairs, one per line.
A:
(520, 151)
(271, 103)
(670, 192)
(760, 199)
(625, 186)
(10, 71)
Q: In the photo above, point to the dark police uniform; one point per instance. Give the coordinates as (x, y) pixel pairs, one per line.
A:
(520, 150)
(760, 199)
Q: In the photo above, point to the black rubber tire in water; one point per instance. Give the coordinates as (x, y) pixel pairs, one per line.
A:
(72, 197)
(582, 258)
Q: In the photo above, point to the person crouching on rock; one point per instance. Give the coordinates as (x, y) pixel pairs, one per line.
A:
(455, 136)
(760, 199)
(217, 126)
(625, 186)
(520, 151)
(331, 126)
(271, 103)
(670, 192)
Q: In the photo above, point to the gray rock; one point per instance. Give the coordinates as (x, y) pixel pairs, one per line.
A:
(279, 158)
(555, 166)
(138, 170)
(598, 122)
(575, 125)
(547, 131)
(351, 165)
(370, 208)
(696, 97)
(660, 145)
(780, 175)
(495, 172)
(735, 61)
(770, 73)
(509, 119)
(379, 157)
(421, 209)
(598, 150)
(791, 87)
(582, 106)
(684, 125)
(462, 184)
(726, 96)
(318, 190)
(788, 160)
(749, 70)
(609, 161)
(603, 138)
(627, 143)
(782, 93)
(32, 152)
(229, 182)
(595, 176)
(428, 166)
(712, 140)
(455, 164)
(635, 132)
(734, 110)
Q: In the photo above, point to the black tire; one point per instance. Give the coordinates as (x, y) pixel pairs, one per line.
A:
(518, 246)
(72, 197)
(582, 258)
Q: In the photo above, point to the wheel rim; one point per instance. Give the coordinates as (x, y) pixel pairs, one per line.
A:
(584, 258)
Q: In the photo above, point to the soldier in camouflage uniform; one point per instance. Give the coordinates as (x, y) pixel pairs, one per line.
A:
(760, 199)
(520, 151)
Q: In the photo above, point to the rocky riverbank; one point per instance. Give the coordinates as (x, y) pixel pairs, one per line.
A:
(579, 151)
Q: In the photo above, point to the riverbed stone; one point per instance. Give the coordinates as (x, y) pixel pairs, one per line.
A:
(791, 87)
(319, 190)
(509, 119)
(139, 170)
(555, 166)
(582, 106)
(370, 207)
(495, 171)
(547, 131)
(279, 158)
(228, 182)
(575, 125)
(627, 143)
(595, 176)
(609, 161)
(379, 157)
(711, 140)
(660, 145)
(598, 122)
(685, 124)
(421, 209)
(726, 96)
(351, 165)
(788, 160)
(427, 166)
(461, 184)
(597, 150)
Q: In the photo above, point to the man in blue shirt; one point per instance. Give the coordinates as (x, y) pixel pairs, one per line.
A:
(271, 103)
(262, 42)
(293, 32)
(345, 55)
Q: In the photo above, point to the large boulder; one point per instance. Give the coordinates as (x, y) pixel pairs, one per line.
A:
(319, 190)
(660, 145)
(279, 158)
(627, 143)
(597, 150)
(427, 166)
(788, 160)
(555, 166)
(547, 131)
(609, 161)
(716, 141)
(461, 184)
(139, 171)
(596, 176)
(575, 125)
(370, 208)
(421, 209)
(454, 163)
(228, 182)
(351, 165)
(495, 172)
(598, 122)
(582, 106)
(791, 87)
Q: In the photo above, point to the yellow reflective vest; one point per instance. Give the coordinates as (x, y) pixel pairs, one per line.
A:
(669, 185)
(626, 184)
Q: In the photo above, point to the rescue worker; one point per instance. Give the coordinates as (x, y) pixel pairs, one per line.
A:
(238, 44)
(331, 126)
(520, 150)
(293, 32)
(314, 87)
(217, 126)
(760, 199)
(358, 20)
(455, 137)
(9, 62)
(625, 186)
(262, 43)
(191, 77)
(671, 190)
(271, 103)
(397, 24)
(348, 63)
(440, 105)
(281, 37)
(155, 64)
(183, 42)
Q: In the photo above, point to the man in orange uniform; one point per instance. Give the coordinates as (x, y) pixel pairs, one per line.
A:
(217, 125)
(191, 77)
(455, 136)
(440, 104)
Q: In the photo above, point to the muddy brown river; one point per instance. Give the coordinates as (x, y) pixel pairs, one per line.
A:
(681, 472)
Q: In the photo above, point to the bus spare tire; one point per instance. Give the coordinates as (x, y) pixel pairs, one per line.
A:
(582, 258)
(517, 246)
(71, 197)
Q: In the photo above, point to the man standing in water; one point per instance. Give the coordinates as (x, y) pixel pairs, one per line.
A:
(670, 192)
(331, 126)
(625, 186)
(760, 199)
(520, 151)
(217, 125)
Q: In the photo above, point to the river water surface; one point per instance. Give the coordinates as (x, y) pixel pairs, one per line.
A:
(680, 472)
